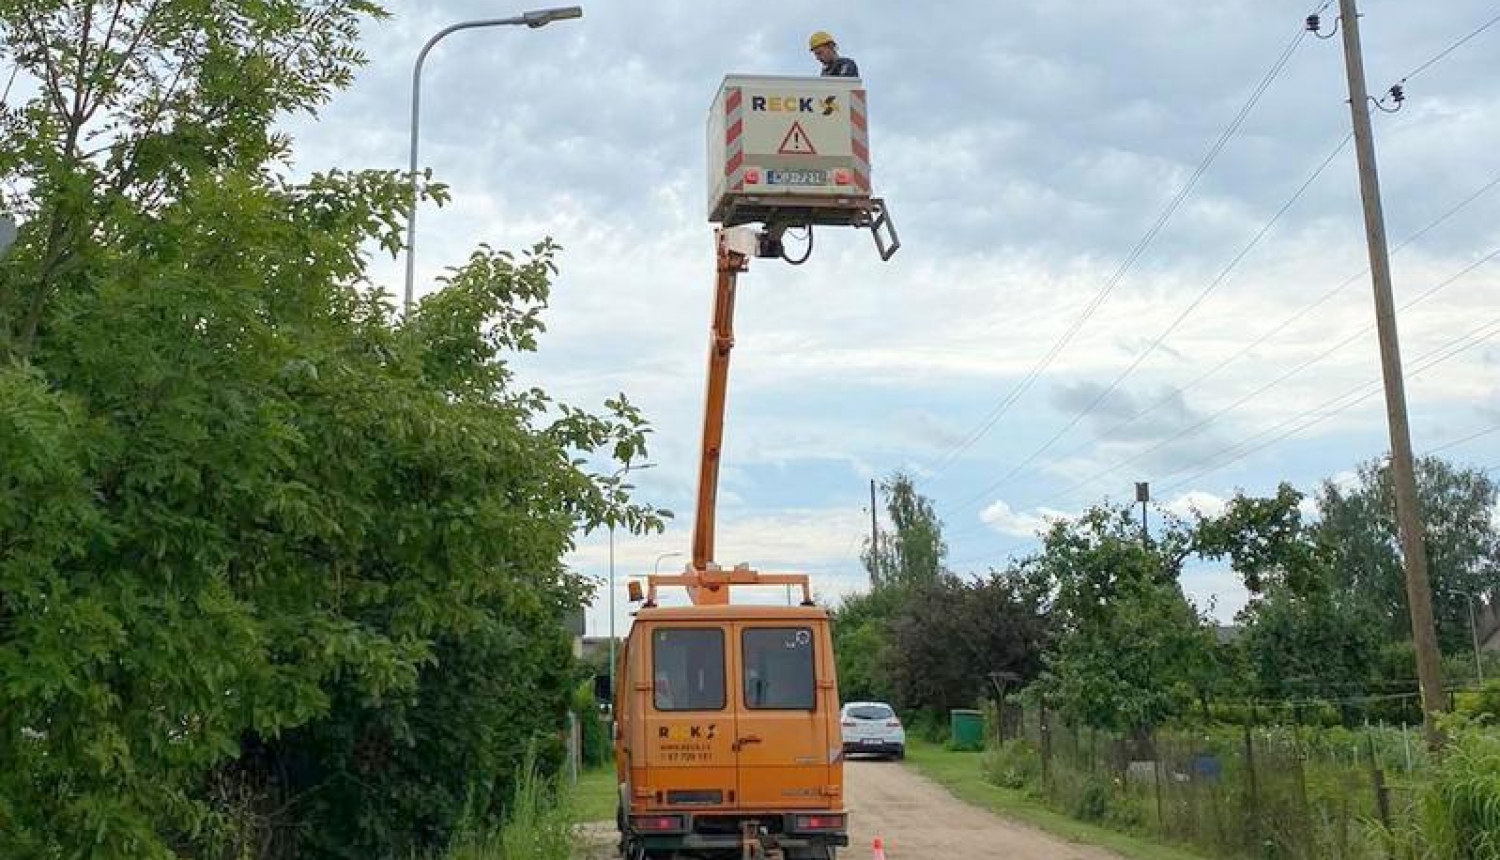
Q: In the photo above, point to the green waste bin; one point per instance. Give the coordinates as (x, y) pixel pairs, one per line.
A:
(967, 728)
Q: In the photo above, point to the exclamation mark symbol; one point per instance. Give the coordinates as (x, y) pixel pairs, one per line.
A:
(796, 142)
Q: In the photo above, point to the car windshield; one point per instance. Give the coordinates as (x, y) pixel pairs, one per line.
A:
(871, 712)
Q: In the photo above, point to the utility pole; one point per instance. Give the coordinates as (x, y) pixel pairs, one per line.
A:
(1403, 471)
(874, 540)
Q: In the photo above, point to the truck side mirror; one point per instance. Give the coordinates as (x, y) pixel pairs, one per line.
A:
(603, 689)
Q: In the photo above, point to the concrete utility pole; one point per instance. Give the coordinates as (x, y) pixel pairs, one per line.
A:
(874, 540)
(1403, 471)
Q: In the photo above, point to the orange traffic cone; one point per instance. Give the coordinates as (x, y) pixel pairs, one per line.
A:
(879, 849)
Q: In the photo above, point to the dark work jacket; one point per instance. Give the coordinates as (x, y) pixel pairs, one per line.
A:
(843, 67)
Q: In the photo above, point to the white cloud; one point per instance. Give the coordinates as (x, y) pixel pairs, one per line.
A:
(1197, 502)
(1001, 518)
(1016, 203)
(1216, 591)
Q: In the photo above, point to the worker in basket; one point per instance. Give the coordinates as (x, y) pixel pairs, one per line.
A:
(826, 50)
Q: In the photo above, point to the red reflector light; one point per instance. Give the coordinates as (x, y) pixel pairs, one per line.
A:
(657, 823)
(841, 177)
(752, 177)
(820, 822)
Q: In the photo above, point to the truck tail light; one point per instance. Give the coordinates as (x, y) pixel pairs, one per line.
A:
(752, 176)
(819, 822)
(657, 823)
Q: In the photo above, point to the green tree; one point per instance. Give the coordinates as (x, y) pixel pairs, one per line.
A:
(912, 551)
(948, 636)
(1266, 541)
(1128, 650)
(276, 569)
(1322, 643)
(1358, 532)
(1302, 636)
(909, 556)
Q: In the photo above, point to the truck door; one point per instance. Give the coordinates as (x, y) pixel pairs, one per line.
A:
(689, 718)
(781, 737)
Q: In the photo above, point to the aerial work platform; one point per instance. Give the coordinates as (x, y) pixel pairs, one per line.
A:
(792, 152)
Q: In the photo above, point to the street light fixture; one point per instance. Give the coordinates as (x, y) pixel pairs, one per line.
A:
(1473, 632)
(656, 568)
(620, 472)
(534, 20)
(7, 232)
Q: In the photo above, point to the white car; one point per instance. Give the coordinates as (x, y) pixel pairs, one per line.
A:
(872, 727)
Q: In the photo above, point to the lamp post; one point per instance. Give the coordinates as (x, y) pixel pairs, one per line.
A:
(7, 232)
(535, 19)
(619, 473)
(1473, 633)
(656, 568)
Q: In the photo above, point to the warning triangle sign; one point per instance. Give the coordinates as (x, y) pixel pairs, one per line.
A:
(796, 142)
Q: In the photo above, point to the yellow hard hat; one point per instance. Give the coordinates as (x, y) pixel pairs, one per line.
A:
(818, 39)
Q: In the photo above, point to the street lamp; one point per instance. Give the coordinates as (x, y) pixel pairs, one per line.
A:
(620, 472)
(1473, 633)
(535, 19)
(7, 232)
(656, 568)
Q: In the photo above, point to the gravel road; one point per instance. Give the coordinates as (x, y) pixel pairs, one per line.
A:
(917, 819)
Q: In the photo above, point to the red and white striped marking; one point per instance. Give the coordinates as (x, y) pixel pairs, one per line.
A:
(734, 138)
(859, 142)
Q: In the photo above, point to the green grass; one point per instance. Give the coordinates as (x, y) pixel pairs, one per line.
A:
(959, 772)
(595, 798)
(538, 823)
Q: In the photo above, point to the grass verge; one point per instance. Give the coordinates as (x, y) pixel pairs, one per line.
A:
(538, 823)
(959, 772)
(594, 798)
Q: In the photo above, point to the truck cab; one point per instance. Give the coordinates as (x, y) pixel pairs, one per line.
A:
(727, 733)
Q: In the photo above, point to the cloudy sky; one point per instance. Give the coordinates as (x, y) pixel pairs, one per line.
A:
(1026, 354)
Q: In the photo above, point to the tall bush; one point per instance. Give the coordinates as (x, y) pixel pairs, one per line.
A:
(279, 569)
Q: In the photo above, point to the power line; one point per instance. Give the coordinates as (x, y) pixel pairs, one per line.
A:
(1444, 353)
(1283, 325)
(999, 411)
(1140, 358)
(1009, 551)
(1351, 338)
(1471, 437)
(1441, 55)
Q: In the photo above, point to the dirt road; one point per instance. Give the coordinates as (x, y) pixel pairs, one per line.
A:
(918, 820)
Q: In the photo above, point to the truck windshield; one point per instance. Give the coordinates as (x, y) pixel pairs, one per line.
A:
(687, 665)
(778, 668)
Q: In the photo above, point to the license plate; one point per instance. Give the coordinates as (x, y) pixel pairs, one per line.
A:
(871, 741)
(796, 177)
